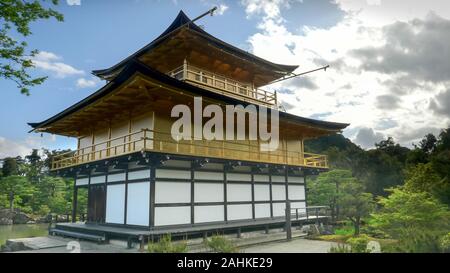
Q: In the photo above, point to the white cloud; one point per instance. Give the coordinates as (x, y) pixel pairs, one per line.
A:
(381, 12)
(9, 148)
(51, 62)
(221, 9)
(23, 147)
(85, 83)
(270, 9)
(74, 2)
(349, 91)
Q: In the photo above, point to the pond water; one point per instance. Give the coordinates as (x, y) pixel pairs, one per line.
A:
(22, 231)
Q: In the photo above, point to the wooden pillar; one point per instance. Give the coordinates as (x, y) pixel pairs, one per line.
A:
(74, 202)
(288, 221)
(270, 191)
(192, 193)
(253, 193)
(152, 195)
(225, 198)
(126, 197)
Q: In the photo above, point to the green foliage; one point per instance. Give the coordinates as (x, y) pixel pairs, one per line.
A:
(28, 186)
(15, 18)
(10, 167)
(165, 245)
(324, 190)
(220, 244)
(358, 244)
(355, 203)
(345, 231)
(445, 243)
(17, 190)
(340, 248)
(416, 219)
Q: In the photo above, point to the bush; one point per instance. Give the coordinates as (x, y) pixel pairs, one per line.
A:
(340, 248)
(359, 243)
(220, 244)
(445, 243)
(165, 245)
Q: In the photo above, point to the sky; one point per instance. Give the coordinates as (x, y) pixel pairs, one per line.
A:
(389, 74)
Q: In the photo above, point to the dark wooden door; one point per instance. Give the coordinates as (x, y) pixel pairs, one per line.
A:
(96, 204)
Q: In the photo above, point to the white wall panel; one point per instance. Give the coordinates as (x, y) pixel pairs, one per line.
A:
(177, 174)
(261, 178)
(142, 174)
(208, 192)
(116, 177)
(82, 181)
(115, 204)
(239, 177)
(278, 192)
(98, 179)
(262, 210)
(172, 192)
(208, 176)
(301, 205)
(172, 215)
(296, 179)
(262, 192)
(239, 212)
(278, 178)
(279, 209)
(296, 192)
(138, 203)
(204, 214)
(239, 192)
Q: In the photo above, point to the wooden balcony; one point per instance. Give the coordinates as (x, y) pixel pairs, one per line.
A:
(223, 85)
(150, 140)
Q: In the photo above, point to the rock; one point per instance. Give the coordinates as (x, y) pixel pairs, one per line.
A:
(44, 219)
(6, 221)
(12, 245)
(306, 229)
(9, 217)
(21, 218)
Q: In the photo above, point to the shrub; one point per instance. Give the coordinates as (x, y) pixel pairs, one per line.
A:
(359, 243)
(445, 243)
(165, 245)
(220, 244)
(340, 248)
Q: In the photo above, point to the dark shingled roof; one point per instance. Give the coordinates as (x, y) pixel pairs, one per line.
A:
(180, 21)
(135, 66)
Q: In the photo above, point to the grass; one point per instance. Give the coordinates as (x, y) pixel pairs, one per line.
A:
(220, 244)
(165, 245)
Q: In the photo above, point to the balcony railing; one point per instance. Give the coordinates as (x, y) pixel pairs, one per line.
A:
(150, 140)
(223, 85)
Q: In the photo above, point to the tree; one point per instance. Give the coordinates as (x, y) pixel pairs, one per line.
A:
(428, 143)
(10, 167)
(52, 192)
(34, 166)
(416, 219)
(16, 16)
(15, 188)
(423, 178)
(355, 204)
(324, 190)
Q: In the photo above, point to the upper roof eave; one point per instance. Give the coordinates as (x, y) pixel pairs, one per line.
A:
(136, 66)
(181, 20)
